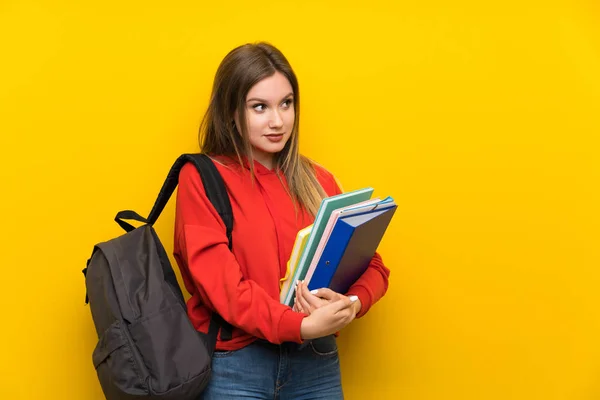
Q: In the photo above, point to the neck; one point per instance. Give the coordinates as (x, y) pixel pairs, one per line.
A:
(267, 160)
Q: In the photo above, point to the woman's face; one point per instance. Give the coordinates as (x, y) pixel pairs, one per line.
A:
(269, 117)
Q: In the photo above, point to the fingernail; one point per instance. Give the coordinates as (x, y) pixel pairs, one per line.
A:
(353, 298)
(315, 291)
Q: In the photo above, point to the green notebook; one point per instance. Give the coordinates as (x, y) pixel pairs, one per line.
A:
(328, 205)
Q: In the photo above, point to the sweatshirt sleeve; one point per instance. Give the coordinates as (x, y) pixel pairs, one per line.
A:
(202, 246)
(373, 283)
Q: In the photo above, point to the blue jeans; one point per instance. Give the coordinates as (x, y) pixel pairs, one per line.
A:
(263, 370)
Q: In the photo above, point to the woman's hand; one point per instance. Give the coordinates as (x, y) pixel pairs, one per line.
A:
(307, 301)
(329, 318)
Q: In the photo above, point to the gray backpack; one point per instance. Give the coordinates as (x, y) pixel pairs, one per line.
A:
(147, 347)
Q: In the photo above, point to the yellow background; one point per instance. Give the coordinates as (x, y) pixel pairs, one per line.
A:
(480, 118)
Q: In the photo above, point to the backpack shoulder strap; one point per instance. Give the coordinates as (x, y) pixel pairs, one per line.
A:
(213, 186)
(215, 190)
(217, 194)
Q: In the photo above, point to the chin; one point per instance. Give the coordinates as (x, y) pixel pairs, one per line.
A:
(274, 147)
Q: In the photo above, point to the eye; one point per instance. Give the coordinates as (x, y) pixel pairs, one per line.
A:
(259, 107)
(288, 103)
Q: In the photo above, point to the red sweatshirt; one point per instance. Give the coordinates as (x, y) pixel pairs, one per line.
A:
(242, 285)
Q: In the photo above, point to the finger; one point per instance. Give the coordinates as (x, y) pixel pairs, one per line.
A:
(306, 297)
(304, 304)
(352, 308)
(297, 298)
(349, 303)
(311, 299)
(299, 307)
(327, 294)
(298, 291)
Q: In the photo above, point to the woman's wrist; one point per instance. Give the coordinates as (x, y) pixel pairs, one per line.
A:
(305, 328)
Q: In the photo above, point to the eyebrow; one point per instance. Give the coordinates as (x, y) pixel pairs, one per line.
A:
(291, 94)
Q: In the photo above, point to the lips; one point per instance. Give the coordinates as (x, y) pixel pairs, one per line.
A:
(274, 137)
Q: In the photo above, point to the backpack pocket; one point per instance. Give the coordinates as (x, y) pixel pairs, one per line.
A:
(115, 365)
(173, 352)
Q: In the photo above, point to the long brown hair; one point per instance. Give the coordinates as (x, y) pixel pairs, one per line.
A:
(240, 70)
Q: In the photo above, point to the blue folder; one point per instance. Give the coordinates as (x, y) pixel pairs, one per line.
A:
(350, 248)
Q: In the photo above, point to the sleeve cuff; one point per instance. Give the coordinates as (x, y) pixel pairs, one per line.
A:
(289, 326)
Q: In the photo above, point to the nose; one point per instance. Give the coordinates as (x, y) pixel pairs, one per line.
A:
(275, 122)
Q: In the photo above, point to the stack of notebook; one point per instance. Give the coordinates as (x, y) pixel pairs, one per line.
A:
(337, 248)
